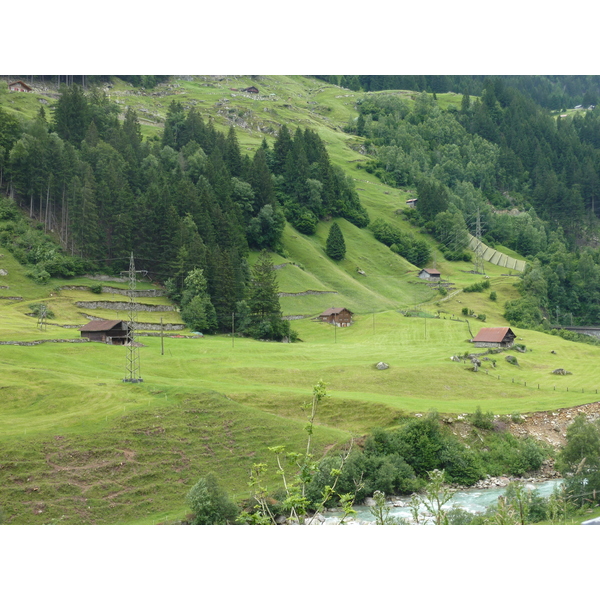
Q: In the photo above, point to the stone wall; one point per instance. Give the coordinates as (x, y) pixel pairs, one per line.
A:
(121, 292)
(36, 342)
(107, 278)
(125, 306)
(307, 293)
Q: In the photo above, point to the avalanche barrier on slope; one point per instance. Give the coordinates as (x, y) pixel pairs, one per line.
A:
(495, 257)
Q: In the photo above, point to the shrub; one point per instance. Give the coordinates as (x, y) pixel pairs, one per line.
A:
(482, 420)
(509, 455)
(478, 287)
(482, 317)
(516, 417)
(211, 504)
(493, 296)
(36, 309)
(38, 274)
(96, 288)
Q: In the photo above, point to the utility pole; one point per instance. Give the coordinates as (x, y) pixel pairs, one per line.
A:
(479, 267)
(133, 352)
(162, 339)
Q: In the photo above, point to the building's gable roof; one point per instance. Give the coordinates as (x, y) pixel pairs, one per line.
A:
(492, 334)
(100, 325)
(20, 83)
(334, 311)
(430, 271)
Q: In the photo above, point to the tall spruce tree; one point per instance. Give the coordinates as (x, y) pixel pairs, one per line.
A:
(335, 245)
(265, 318)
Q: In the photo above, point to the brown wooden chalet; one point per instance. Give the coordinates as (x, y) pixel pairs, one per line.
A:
(342, 317)
(494, 337)
(430, 274)
(109, 332)
(251, 90)
(19, 86)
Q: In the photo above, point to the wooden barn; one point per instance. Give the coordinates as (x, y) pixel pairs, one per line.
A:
(430, 274)
(342, 317)
(411, 203)
(494, 337)
(251, 90)
(109, 332)
(19, 86)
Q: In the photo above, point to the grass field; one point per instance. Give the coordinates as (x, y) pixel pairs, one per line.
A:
(81, 446)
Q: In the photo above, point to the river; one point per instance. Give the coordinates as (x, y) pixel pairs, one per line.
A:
(472, 500)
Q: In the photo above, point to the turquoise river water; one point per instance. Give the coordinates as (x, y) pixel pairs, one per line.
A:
(472, 500)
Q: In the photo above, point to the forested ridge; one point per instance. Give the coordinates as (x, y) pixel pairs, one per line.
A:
(190, 204)
(556, 92)
(531, 180)
(191, 200)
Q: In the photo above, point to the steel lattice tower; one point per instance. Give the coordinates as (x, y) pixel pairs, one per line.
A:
(133, 351)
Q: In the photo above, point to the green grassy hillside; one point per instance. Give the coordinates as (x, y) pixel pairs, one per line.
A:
(81, 446)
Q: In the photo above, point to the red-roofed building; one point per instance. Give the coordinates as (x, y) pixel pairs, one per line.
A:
(430, 274)
(341, 317)
(109, 332)
(494, 337)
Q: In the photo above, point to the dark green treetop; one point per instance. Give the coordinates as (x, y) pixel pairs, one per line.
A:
(335, 245)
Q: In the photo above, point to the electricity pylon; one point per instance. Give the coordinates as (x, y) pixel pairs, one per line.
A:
(133, 352)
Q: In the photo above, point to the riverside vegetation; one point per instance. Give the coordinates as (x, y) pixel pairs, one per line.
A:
(232, 217)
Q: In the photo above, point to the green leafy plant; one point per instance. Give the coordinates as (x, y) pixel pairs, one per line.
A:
(482, 420)
(210, 504)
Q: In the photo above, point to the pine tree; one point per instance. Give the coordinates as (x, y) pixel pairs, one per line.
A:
(335, 246)
(265, 318)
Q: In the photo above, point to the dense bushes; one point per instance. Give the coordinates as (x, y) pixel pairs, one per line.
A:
(478, 287)
(37, 251)
(399, 461)
(414, 251)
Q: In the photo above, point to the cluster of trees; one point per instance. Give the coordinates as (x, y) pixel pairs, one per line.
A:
(308, 186)
(558, 288)
(405, 244)
(494, 153)
(555, 92)
(189, 202)
(501, 142)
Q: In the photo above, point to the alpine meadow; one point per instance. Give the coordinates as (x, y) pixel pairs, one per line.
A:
(275, 299)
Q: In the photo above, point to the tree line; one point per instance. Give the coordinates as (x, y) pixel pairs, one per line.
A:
(187, 202)
(478, 162)
(556, 92)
